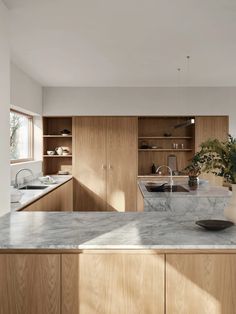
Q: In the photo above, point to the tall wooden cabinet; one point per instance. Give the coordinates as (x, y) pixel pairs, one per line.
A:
(105, 163)
(210, 127)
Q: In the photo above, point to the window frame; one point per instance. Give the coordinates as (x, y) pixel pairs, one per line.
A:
(31, 137)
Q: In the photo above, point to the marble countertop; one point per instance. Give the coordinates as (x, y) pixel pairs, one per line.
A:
(204, 190)
(109, 230)
(29, 196)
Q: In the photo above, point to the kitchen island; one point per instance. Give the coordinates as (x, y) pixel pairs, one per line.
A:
(153, 262)
(205, 202)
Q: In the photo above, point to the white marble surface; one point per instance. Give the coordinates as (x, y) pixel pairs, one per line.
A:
(110, 230)
(29, 196)
(206, 202)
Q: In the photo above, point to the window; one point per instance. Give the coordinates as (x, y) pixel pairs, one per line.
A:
(21, 136)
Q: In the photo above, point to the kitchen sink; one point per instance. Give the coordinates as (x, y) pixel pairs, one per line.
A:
(34, 187)
(166, 188)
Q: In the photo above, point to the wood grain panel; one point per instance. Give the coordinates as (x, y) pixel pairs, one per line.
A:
(60, 199)
(210, 128)
(200, 283)
(121, 284)
(29, 284)
(122, 163)
(89, 163)
(70, 284)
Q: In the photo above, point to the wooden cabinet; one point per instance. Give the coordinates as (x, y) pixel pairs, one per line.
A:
(200, 283)
(29, 283)
(113, 283)
(210, 127)
(60, 199)
(105, 163)
(122, 164)
(89, 166)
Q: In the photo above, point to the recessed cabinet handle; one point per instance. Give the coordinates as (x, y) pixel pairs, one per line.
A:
(104, 167)
(109, 166)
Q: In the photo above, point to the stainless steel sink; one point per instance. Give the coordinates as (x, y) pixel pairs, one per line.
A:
(165, 188)
(34, 187)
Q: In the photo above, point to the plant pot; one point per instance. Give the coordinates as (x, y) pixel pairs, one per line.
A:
(230, 209)
(193, 182)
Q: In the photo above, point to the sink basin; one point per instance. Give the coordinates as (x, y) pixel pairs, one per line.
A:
(34, 187)
(165, 188)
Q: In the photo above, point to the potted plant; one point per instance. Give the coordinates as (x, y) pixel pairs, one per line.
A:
(219, 158)
(193, 170)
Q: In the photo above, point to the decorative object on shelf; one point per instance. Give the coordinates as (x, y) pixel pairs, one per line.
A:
(59, 150)
(219, 158)
(154, 168)
(144, 145)
(167, 134)
(62, 172)
(50, 152)
(154, 147)
(214, 224)
(65, 132)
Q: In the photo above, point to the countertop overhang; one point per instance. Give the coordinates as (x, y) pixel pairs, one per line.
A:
(109, 231)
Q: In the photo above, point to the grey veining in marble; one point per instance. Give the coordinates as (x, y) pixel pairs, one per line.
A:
(206, 201)
(93, 230)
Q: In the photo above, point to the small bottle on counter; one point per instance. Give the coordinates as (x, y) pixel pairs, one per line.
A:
(154, 168)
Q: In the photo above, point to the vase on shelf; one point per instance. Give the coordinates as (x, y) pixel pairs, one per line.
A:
(230, 209)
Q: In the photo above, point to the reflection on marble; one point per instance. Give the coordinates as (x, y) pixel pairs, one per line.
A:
(110, 230)
(205, 202)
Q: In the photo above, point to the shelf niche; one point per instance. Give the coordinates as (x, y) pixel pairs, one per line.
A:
(52, 138)
(152, 130)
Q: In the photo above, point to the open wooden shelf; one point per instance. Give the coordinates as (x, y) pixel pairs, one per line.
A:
(63, 136)
(52, 138)
(165, 150)
(57, 156)
(165, 137)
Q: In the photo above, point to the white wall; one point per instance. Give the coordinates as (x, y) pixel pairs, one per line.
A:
(141, 101)
(4, 112)
(27, 95)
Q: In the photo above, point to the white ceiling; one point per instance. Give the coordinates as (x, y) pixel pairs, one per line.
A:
(125, 42)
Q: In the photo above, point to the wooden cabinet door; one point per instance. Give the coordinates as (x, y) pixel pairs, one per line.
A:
(60, 199)
(200, 283)
(89, 163)
(210, 128)
(121, 283)
(122, 148)
(29, 283)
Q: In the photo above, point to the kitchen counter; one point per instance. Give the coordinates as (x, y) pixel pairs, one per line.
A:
(30, 196)
(209, 201)
(93, 230)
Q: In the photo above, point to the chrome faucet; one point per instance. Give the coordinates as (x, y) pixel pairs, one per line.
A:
(16, 177)
(171, 182)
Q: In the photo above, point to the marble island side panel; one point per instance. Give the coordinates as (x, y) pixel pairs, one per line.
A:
(205, 202)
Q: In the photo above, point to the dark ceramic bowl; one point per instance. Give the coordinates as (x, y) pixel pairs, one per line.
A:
(214, 224)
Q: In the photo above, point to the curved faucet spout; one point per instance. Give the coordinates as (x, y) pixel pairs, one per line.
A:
(171, 182)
